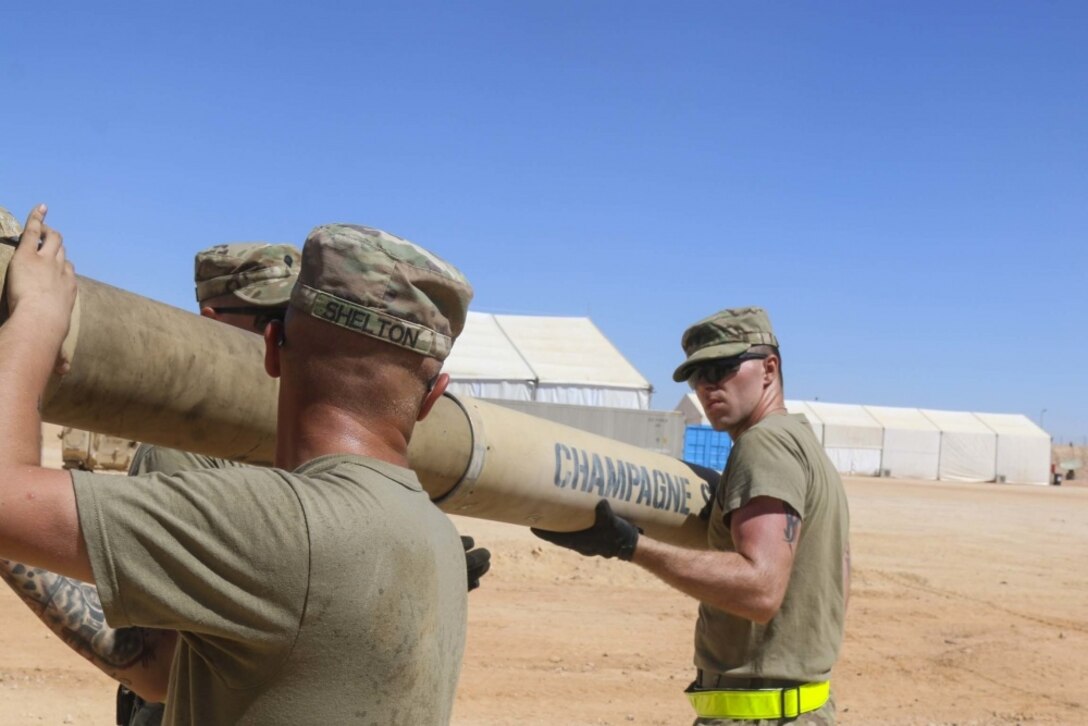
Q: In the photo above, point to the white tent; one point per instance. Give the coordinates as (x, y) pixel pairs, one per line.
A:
(852, 438)
(692, 411)
(1023, 449)
(916, 443)
(546, 359)
(968, 446)
(485, 364)
(814, 422)
(912, 443)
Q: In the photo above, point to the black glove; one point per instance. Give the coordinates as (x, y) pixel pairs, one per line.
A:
(610, 536)
(477, 561)
(710, 479)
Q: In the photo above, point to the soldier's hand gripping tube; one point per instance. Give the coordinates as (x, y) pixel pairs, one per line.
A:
(710, 478)
(610, 536)
(477, 561)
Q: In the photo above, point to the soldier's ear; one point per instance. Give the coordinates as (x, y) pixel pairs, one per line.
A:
(273, 341)
(770, 370)
(433, 395)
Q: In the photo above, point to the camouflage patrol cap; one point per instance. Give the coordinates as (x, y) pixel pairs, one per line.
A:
(9, 225)
(725, 334)
(380, 285)
(256, 272)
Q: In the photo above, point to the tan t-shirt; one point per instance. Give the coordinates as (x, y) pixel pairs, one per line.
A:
(331, 594)
(779, 457)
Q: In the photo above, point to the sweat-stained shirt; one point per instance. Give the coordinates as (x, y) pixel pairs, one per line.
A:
(331, 594)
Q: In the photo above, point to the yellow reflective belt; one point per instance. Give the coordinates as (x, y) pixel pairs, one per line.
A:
(761, 703)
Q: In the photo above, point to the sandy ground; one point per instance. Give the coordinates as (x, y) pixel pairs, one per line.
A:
(969, 606)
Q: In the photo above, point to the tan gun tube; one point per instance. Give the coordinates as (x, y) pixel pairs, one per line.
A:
(150, 372)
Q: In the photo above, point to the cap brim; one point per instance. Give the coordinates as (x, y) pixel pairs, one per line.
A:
(267, 292)
(711, 352)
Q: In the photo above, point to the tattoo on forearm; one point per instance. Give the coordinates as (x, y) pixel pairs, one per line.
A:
(73, 611)
(793, 524)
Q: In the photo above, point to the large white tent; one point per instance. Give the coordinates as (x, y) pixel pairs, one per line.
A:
(814, 422)
(920, 443)
(1023, 449)
(544, 359)
(852, 438)
(912, 443)
(485, 364)
(968, 446)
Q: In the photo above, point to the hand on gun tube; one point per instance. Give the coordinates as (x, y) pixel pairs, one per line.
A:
(610, 535)
(477, 561)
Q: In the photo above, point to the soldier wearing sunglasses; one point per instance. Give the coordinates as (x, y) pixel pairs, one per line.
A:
(773, 583)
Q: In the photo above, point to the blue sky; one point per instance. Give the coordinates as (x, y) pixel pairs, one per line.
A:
(902, 184)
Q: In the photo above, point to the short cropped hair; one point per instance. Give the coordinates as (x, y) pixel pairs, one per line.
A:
(770, 350)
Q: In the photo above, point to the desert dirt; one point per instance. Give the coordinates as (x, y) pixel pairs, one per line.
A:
(969, 606)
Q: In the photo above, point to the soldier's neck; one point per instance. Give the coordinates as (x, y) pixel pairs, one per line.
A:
(323, 430)
(772, 403)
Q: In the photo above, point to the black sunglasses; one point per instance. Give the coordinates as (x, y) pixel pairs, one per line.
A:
(713, 371)
(262, 316)
(247, 310)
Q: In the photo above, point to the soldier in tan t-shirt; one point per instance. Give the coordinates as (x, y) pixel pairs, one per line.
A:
(245, 285)
(773, 585)
(328, 589)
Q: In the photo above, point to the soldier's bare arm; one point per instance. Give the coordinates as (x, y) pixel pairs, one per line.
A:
(38, 520)
(750, 582)
(137, 657)
(39, 523)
